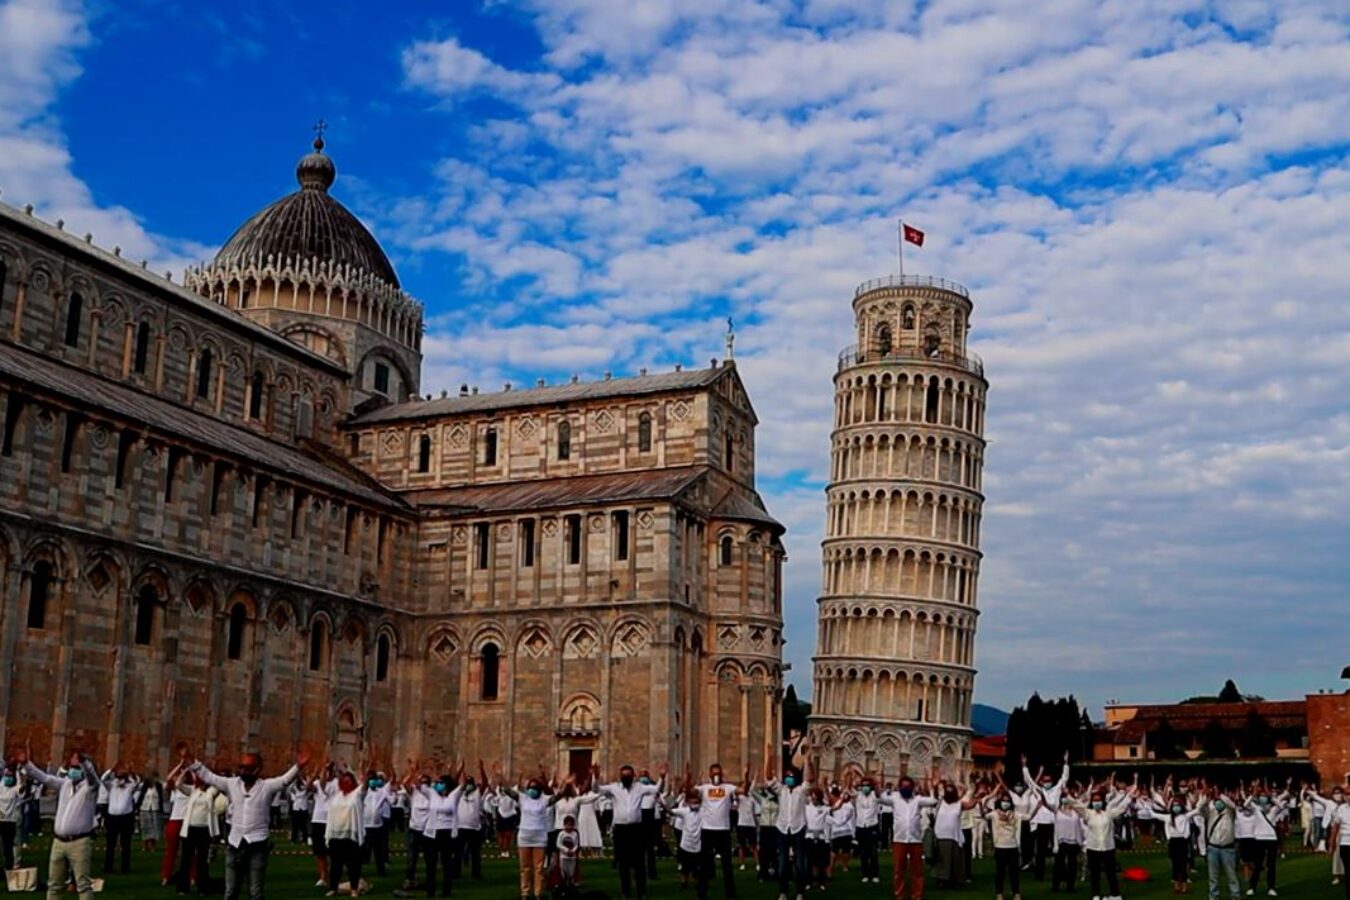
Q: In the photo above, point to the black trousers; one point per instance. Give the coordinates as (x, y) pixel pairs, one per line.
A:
(415, 849)
(968, 854)
(1066, 867)
(1179, 852)
(631, 844)
(696, 865)
(1044, 837)
(299, 826)
(818, 861)
(440, 852)
(377, 846)
(1345, 863)
(7, 832)
(470, 852)
(651, 838)
(1007, 867)
(1265, 855)
(768, 852)
(867, 852)
(119, 830)
(715, 842)
(344, 853)
(194, 852)
(1103, 862)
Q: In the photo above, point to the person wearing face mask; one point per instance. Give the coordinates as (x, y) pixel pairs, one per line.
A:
(1045, 798)
(693, 853)
(867, 826)
(535, 800)
(951, 863)
(766, 859)
(716, 823)
(632, 839)
(120, 821)
(376, 812)
(907, 806)
(508, 820)
(11, 797)
(843, 829)
(199, 830)
(818, 838)
(469, 824)
(73, 829)
(1069, 839)
(1218, 815)
(1005, 822)
(417, 824)
(1330, 816)
(791, 794)
(747, 823)
(439, 832)
(345, 833)
(1267, 810)
(250, 799)
(1176, 815)
(1099, 823)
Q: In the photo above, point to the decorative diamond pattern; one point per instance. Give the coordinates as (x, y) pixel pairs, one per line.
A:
(604, 421)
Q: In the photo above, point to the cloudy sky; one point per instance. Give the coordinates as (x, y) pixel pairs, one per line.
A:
(1148, 199)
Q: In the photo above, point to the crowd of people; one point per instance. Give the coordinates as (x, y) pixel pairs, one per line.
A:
(798, 830)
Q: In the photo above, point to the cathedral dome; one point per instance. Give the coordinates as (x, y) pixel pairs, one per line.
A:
(308, 225)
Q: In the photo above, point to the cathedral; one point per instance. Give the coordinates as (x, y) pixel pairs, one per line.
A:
(229, 519)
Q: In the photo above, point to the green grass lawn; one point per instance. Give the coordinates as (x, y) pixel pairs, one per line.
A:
(291, 874)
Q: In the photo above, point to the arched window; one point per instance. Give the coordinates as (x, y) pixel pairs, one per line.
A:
(491, 662)
(907, 317)
(729, 453)
(255, 396)
(204, 373)
(234, 646)
(931, 402)
(318, 639)
(141, 355)
(958, 329)
(424, 453)
(884, 343)
(645, 433)
(490, 447)
(146, 601)
(73, 313)
(39, 592)
(382, 658)
(724, 556)
(564, 439)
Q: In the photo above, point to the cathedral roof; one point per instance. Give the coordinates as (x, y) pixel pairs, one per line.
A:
(635, 386)
(308, 225)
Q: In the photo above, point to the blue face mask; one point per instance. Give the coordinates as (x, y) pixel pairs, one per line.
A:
(533, 793)
(1220, 805)
(75, 774)
(1176, 810)
(645, 779)
(440, 787)
(1097, 804)
(790, 781)
(866, 789)
(1262, 801)
(907, 792)
(10, 781)
(374, 782)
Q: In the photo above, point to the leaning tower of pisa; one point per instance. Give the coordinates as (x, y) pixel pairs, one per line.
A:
(895, 648)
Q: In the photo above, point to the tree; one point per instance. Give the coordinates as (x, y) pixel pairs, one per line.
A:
(1230, 693)
(795, 712)
(1043, 731)
(1163, 742)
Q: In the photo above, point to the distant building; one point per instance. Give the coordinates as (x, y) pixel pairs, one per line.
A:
(987, 753)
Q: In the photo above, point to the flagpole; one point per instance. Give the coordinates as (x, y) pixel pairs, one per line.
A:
(900, 243)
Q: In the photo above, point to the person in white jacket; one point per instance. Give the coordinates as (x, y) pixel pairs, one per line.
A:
(345, 832)
(1267, 810)
(1070, 835)
(1331, 814)
(1044, 794)
(1177, 816)
(1099, 822)
(199, 829)
(1336, 825)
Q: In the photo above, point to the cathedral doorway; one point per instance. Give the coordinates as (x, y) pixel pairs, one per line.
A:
(579, 761)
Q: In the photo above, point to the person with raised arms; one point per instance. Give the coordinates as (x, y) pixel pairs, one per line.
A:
(73, 829)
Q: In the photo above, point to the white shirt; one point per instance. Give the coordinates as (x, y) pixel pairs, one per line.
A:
(1245, 827)
(1100, 824)
(842, 819)
(177, 805)
(506, 806)
(1339, 815)
(791, 806)
(907, 825)
(817, 822)
(347, 815)
(76, 804)
(417, 819)
(121, 794)
(533, 815)
(199, 809)
(1006, 826)
(715, 813)
(746, 808)
(251, 807)
(319, 815)
(692, 826)
(1263, 820)
(869, 811)
(469, 815)
(440, 810)
(9, 801)
(299, 794)
(947, 822)
(1044, 812)
(375, 806)
(1069, 828)
(629, 801)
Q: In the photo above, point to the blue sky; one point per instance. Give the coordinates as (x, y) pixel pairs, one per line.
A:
(1149, 201)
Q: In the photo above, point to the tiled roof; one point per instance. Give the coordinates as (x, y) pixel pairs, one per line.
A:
(1195, 717)
(152, 412)
(557, 493)
(738, 506)
(635, 386)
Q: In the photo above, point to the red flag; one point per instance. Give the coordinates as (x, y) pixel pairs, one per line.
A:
(913, 235)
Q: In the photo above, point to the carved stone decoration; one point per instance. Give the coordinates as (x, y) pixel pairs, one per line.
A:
(457, 436)
(630, 640)
(99, 437)
(535, 643)
(582, 643)
(391, 442)
(459, 535)
(443, 646)
(603, 421)
(645, 519)
(526, 427)
(679, 410)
